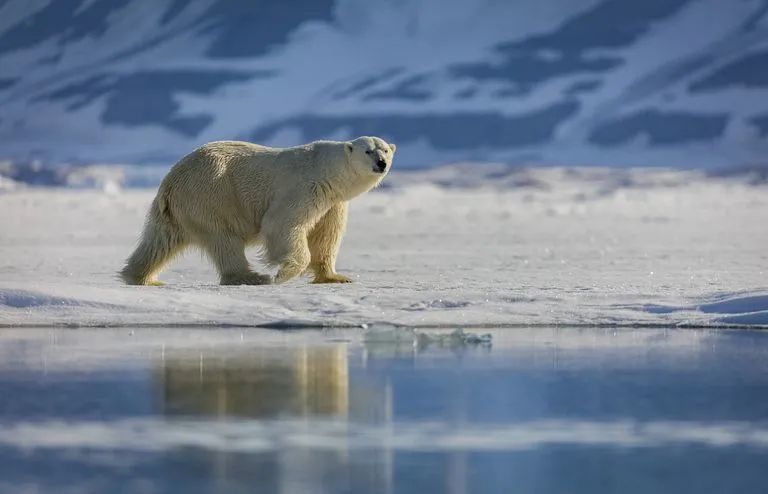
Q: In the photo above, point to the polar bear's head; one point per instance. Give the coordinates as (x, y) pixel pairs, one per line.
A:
(371, 155)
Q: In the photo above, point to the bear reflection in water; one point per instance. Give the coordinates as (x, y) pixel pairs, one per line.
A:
(260, 383)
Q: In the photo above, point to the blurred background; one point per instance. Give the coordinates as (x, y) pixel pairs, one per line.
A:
(679, 83)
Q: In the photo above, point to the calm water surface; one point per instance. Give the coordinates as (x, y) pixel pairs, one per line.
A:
(230, 411)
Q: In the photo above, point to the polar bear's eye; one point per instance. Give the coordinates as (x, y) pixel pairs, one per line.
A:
(368, 152)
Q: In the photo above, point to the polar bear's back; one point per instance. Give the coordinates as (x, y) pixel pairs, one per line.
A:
(233, 149)
(224, 181)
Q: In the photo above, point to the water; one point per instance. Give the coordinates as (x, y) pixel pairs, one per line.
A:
(230, 411)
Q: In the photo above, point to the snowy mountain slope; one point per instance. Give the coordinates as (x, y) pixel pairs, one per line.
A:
(674, 82)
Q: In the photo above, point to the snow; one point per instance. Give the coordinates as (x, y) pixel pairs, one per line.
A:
(462, 246)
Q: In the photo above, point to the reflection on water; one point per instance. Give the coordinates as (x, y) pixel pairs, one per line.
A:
(259, 411)
(284, 387)
(256, 382)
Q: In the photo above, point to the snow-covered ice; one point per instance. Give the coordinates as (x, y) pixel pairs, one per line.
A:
(458, 246)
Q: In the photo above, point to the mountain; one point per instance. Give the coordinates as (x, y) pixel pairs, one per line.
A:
(600, 82)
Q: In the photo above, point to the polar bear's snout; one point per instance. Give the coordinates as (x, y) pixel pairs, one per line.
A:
(372, 153)
(379, 160)
(381, 166)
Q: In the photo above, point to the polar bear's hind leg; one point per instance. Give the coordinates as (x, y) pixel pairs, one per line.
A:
(160, 243)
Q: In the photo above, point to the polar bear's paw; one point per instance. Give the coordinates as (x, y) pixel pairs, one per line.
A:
(247, 279)
(331, 278)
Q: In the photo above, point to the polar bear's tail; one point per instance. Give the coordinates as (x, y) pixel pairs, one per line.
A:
(160, 241)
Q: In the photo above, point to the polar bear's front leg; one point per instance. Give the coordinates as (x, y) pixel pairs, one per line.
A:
(295, 256)
(285, 243)
(228, 254)
(324, 241)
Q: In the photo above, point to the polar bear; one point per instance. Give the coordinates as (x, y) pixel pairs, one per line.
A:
(292, 202)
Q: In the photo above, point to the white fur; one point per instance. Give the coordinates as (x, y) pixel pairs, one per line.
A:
(227, 195)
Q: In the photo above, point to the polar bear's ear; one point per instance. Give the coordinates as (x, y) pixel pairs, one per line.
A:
(392, 147)
(349, 147)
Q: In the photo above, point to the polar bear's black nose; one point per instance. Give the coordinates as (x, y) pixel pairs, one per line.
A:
(381, 165)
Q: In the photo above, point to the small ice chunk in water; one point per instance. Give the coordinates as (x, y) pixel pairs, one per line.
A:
(477, 339)
(393, 334)
(453, 339)
(388, 334)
